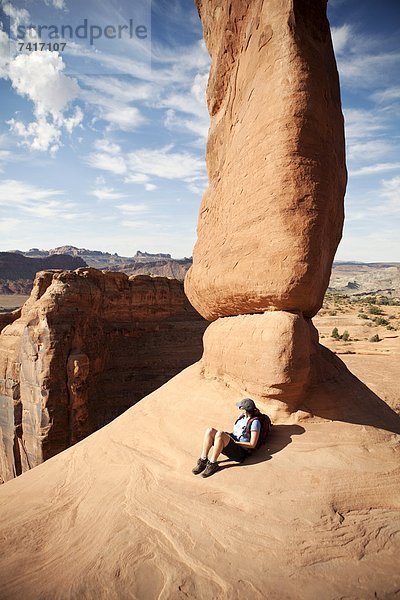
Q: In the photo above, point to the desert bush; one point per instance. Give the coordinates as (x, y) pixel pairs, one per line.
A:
(375, 338)
(335, 333)
(362, 316)
(390, 328)
(375, 310)
(381, 321)
(332, 313)
(345, 336)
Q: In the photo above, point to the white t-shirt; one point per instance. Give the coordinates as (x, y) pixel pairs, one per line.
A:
(239, 429)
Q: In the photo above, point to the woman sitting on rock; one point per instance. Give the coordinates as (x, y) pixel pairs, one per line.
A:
(236, 445)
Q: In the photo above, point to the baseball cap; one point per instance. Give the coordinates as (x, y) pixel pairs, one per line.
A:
(246, 403)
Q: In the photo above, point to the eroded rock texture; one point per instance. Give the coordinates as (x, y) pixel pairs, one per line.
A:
(272, 216)
(267, 356)
(88, 345)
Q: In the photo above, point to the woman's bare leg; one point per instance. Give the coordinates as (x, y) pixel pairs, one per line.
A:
(221, 439)
(208, 441)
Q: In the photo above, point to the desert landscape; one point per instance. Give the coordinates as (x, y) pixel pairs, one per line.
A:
(114, 511)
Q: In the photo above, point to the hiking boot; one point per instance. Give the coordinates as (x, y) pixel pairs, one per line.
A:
(201, 465)
(210, 469)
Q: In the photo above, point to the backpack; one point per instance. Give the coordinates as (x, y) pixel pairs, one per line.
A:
(266, 427)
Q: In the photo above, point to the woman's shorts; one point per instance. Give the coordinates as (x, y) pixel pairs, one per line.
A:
(234, 451)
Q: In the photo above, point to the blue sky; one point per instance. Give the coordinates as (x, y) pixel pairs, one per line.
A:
(102, 145)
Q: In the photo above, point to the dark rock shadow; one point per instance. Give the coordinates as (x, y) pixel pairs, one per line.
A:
(338, 395)
(280, 437)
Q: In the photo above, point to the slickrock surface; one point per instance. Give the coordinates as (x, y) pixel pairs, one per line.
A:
(87, 346)
(271, 218)
(119, 515)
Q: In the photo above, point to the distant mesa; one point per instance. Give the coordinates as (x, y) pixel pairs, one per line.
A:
(17, 269)
(140, 254)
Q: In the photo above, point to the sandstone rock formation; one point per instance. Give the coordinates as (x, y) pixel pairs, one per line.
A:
(87, 346)
(263, 356)
(315, 514)
(271, 218)
(9, 317)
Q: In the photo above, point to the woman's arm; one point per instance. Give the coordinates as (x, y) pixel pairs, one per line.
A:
(253, 441)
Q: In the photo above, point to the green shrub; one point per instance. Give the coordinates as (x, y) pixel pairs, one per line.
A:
(375, 310)
(362, 316)
(381, 321)
(345, 336)
(375, 338)
(335, 333)
(332, 313)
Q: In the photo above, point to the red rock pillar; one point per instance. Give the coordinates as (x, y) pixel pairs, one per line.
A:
(272, 216)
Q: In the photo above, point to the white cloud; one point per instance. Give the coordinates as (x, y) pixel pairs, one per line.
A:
(4, 54)
(35, 201)
(38, 135)
(391, 194)
(126, 118)
(186, 106)
(136, 178)
(39, 77)
(361, 123)
(365, 150)
(19, 192)
(60, 4)
(140, 165)
(165, 163)
(368, 71)
(107, 194)
(134, 224)
(387, 95)
(71, 122)
(130, 209)
(112, 100)
(104, 145)
(374, 169)
(18, 16)
(107, 162)
(122, 91)
(340, 37)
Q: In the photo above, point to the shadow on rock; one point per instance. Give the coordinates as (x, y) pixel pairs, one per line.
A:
(340, 396)
(281, 436)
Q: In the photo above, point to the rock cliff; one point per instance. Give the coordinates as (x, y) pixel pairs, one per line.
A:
(87, 346)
